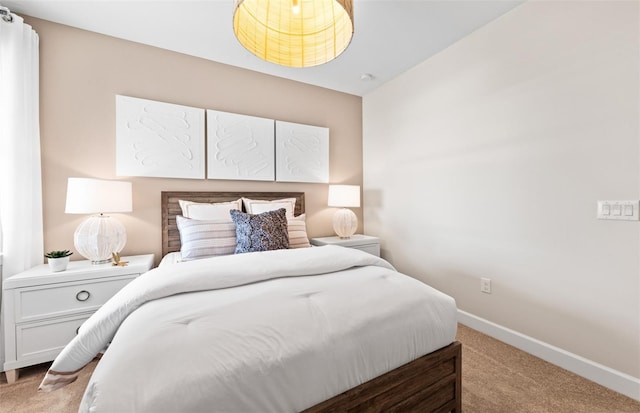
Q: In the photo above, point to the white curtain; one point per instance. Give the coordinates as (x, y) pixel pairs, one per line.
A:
(21, 238)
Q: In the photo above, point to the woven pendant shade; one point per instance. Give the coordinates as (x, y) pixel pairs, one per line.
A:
(294, 33)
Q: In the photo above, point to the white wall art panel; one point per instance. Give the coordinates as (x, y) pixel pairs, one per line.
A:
(240, 147)
(159, 139)
(302, 153)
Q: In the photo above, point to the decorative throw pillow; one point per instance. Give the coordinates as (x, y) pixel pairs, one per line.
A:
(297, 229)
(207, 211)
(203, 239)
(258, 206)
(261, 232)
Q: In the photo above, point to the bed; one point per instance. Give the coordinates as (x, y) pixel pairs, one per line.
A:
(158, 323)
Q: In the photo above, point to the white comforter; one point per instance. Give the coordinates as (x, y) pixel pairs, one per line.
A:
(276, 331)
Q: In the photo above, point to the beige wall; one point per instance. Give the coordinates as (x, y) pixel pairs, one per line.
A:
(80, 74)
(487, 161)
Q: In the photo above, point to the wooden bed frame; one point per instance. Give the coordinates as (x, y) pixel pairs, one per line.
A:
(429, 384)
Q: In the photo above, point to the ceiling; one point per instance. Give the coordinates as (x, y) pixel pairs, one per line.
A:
(390, 36)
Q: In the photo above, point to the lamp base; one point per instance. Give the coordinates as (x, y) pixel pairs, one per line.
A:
(101, 262)
(345, 223)
(98, 236)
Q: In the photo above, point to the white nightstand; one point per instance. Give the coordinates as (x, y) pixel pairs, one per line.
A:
(44, 309)
(365, 243)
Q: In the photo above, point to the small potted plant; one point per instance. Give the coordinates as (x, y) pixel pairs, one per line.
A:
(58, 260)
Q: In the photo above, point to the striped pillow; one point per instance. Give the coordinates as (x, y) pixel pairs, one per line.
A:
(298, 232)
(202, 239)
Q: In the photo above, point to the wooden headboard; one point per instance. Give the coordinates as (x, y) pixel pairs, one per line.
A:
(171, 208)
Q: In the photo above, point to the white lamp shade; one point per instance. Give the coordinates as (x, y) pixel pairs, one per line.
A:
(344, 196)
(345, 222)
(97, 237)
(92, 196)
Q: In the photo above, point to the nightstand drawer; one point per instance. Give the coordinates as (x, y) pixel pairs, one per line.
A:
(360, 242)
(68, 298)
(373, 249)
(44, 340)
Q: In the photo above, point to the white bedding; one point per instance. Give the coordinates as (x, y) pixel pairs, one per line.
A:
(276, 331)
(171, 258)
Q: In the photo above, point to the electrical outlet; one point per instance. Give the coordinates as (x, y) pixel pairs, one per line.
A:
(485, 285)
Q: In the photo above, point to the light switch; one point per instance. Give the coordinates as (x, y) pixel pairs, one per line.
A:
(619, 210)
(616, 210)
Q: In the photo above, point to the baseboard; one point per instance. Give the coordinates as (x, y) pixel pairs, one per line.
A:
(603, 375)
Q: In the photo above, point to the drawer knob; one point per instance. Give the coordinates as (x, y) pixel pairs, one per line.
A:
(83, 295)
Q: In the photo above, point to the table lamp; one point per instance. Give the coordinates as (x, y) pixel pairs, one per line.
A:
(345, 221)
(99, 235)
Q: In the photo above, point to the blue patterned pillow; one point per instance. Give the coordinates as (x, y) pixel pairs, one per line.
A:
(261, 232)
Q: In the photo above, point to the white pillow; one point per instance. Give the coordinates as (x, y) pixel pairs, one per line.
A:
(202, 239)
(208, 212)
(297, 229)
(257, 206)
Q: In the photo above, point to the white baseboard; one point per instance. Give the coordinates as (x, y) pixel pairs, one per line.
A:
(603, 375)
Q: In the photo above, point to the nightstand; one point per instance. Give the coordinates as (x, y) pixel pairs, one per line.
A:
(44, 309)
(365, 243)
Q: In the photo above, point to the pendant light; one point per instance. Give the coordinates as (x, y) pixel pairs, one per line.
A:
(294, 33)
